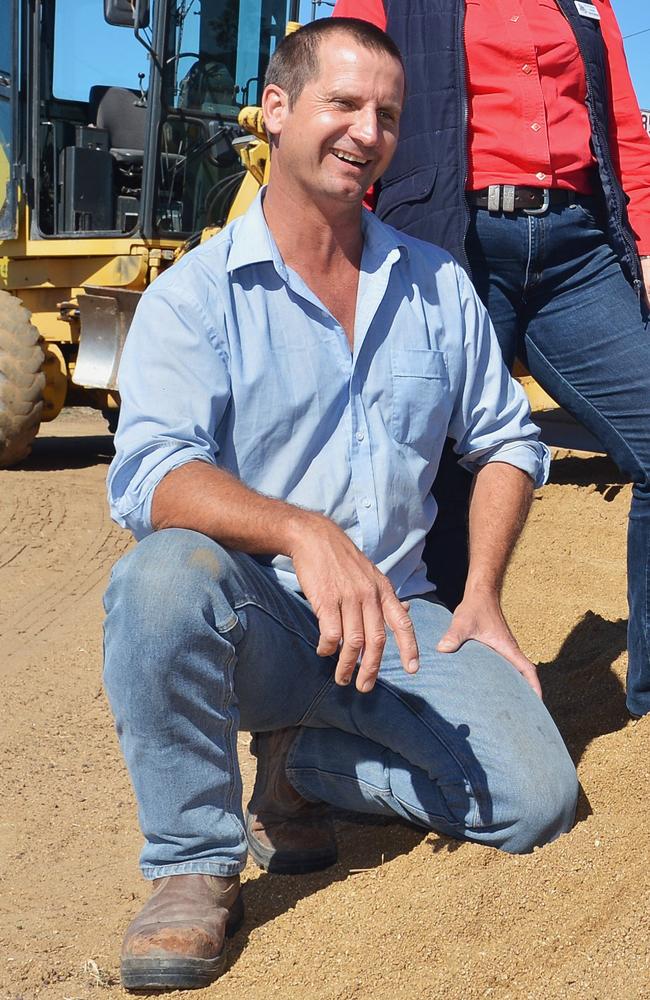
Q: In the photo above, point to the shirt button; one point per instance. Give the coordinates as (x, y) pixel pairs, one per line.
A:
(540, 175)
(360, 435)
(526, 69)
(515, 18)
(366, 502)
(536, 126)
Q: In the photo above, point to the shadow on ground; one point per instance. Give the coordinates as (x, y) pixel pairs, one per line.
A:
(362, 847)
(581, 690)
(53, 454)
(598, 471)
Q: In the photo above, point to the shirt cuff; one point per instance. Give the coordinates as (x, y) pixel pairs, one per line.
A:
(532, 457)
(132, 510)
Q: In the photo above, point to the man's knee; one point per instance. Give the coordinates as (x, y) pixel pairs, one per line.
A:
(167, 596)
(169, 576)
(539, 805)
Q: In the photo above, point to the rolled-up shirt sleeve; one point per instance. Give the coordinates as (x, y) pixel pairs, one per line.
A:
(175, 387)
(491, 417)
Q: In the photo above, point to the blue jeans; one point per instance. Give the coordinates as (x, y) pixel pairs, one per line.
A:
(201, 642)
(560, 302)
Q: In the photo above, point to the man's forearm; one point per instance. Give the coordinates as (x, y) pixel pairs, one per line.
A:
(501, 499)
(204, 498)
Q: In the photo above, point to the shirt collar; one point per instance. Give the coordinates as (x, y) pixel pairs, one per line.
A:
(253, 243)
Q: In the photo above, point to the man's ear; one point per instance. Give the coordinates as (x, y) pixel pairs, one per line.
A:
(275, 108)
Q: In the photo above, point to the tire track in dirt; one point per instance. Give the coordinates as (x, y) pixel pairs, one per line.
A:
(54, 552)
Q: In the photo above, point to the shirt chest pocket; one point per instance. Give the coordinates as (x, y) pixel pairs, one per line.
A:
(420, 397)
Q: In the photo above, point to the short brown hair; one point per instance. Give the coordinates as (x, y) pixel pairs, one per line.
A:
(295, 61)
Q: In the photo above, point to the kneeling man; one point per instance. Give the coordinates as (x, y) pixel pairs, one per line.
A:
(286, 392)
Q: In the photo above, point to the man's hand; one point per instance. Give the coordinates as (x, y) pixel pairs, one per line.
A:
(645, 268)
(353, 602)
(479, 616)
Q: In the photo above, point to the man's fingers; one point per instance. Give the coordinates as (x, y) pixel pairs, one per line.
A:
(400, 624)
(529, 673)
(511, 651)
(500, 640)
(329, 623)
(451, 641)
(353, 642)
(375, 640)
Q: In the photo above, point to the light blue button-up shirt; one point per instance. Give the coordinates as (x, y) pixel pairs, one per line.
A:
(232, 359)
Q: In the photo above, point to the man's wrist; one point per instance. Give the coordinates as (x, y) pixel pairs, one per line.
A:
(297, 526)
(484, 586)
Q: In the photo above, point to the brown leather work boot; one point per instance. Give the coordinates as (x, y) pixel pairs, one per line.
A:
(287, 834)
(177, 940)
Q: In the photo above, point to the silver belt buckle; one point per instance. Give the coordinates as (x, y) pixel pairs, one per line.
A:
(508, 198)
(494, 198)
(543, 207)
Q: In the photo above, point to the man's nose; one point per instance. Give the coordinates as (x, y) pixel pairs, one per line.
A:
(365, 128)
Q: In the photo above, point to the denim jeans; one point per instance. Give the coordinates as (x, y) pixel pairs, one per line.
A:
(560, 302)
(201, 642)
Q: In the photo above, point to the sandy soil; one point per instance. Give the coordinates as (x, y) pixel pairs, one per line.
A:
(402, 914)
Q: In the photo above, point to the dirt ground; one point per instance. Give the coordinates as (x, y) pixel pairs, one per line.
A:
(402, 914)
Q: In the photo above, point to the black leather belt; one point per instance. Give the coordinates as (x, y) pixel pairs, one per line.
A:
(517, 198)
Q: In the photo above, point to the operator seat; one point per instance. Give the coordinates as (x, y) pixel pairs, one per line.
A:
(121, 113)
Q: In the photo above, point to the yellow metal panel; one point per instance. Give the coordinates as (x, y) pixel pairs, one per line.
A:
(540, 401)
(124, 271)
(246, 194)
(82, 246)
(43, 305)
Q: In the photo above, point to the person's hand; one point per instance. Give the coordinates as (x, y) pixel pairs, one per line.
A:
(480, 617)
(353, 602)
(645, 268)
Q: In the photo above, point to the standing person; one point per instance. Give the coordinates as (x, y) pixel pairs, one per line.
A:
(522, 152)
(286, 391)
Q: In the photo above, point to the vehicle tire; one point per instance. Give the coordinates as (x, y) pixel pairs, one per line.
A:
(22, 380)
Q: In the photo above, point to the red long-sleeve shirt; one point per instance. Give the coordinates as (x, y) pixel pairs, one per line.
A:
(526, 89)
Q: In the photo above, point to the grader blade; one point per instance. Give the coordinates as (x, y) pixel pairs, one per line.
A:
(105, 315)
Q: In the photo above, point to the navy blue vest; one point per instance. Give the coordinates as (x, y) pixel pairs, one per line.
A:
(423, 190)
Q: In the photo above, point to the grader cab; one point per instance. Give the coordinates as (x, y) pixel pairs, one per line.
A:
(119, 146)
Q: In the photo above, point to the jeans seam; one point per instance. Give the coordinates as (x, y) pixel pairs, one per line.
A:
(376, 789)
(316, 700)
(530, 254)
(475, 820)
(231, 734)
(320, 694)
(476, 813)
(228, 625)
(249, 602)
(531, 344)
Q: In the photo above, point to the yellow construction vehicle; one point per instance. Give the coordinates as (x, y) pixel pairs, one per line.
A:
(119, 147)
(128, 133)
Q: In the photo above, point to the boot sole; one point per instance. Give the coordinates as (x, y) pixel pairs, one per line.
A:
(152, 975)
(288, 863)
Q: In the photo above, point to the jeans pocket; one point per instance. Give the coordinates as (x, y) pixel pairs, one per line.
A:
(589, 212)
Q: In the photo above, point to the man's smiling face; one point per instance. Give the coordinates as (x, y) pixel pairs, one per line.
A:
(341, 133)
